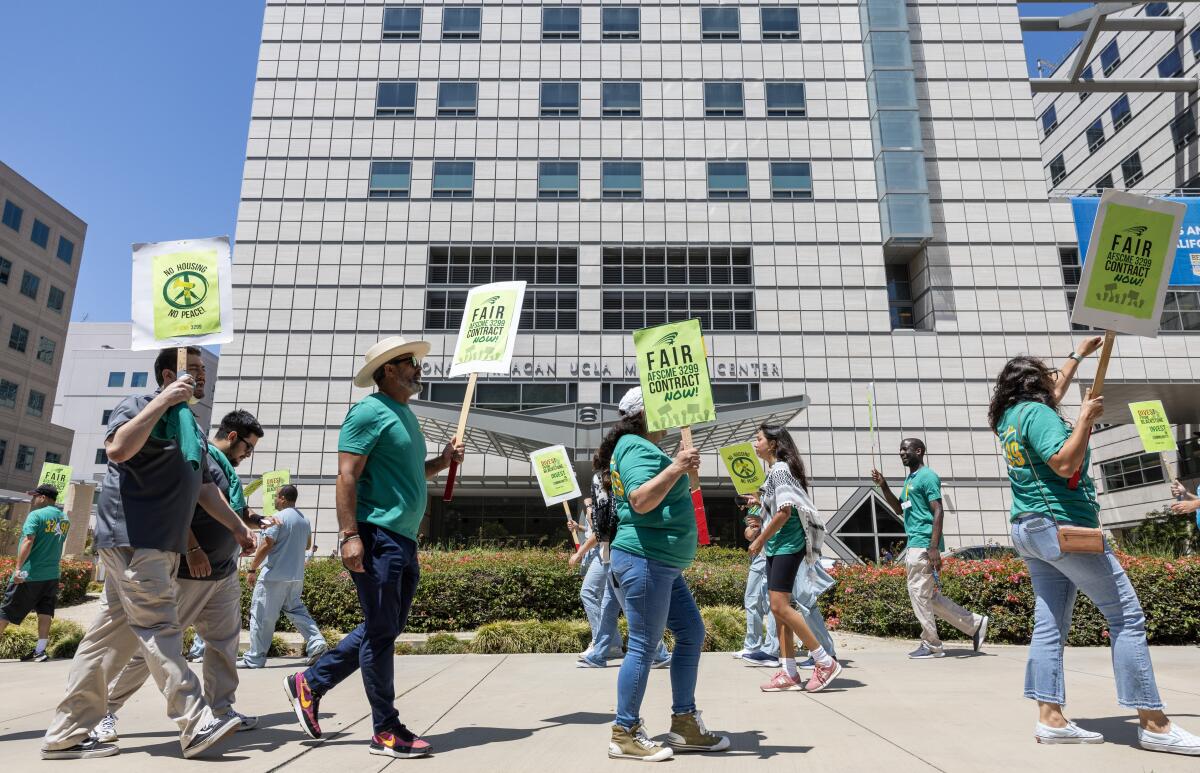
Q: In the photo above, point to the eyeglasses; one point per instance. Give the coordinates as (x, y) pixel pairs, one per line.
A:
(247, 443)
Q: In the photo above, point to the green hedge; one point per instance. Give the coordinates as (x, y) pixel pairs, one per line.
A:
(72, 582)
(17, 641)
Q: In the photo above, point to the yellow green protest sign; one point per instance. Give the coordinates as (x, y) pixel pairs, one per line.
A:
(673, 371)
(271, 483)
(555, 474)
(744, 467)
(488, 331)
(251, 487)
(1152, 426)
(57, 475)
(182, 293)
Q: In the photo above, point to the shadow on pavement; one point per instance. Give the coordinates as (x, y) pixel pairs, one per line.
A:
(1124, 729)
(748, 744)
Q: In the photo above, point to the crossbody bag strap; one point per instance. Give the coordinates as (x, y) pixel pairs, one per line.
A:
(1041, 487)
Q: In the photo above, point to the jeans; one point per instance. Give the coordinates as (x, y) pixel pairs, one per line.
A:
(198, 646)
(607, 638)
(595, 587)
(811, 582)
(269, 599)
(758, 610)
(1057, 577)
(386, 587)
(656, 597)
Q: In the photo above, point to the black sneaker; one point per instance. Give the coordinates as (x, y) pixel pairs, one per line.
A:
(211, 734)
(89, 749)
(401, 743)
(36, 657)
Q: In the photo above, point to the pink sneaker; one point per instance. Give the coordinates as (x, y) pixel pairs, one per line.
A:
(823, 675)
(781, 682)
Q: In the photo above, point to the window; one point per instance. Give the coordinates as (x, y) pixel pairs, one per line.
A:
(506, 395)
(620, 23)
(3, 450)
(1110, 58)
(1171, 65)
(66, 250)
(723, 99)
(1194, 36)
(402, 23)
(785, 99)
(780, 24)
(558, 180)
(461, 23)
(621, 180)
(560, 99)
(1068, 259)
(116, 378)
(1095, 135)
(719, 23)
(56, 299)
(1058, 170)
(29, 285)
(1049, 121)
(18, 339)
(53, 458)
(453, 179)
(1104, 182)
(728, 180)
(1131, 471)
(611, 392)
(40, 235)
(900, 297)
(45, 350)
(677, 266)
(560, 24)
(682, 274)
(469, 265)
(35, 405)
(791, 180)
(1086, 75)
(1131, 169)
(1157, 9)
(138, 379)
(1120, 112)
(12, 215)
(457, 99)
(396, 99)
(101, 456)
(105, 416)
(390, 179)
(621, 99)
(25, 456)
(716, 310)
(8, 393)
(5, 270)
(1183, 128)
(873, 529)
(550, 310)
(1181, 311)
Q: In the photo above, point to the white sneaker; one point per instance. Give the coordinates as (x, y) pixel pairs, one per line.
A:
(924, 652)
(743, 652)
(106, 731)
(1072, 733)
(1174, 741)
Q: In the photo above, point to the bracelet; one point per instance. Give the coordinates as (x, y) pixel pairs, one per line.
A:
(193, 550)
(1077, 357)
(349, 537)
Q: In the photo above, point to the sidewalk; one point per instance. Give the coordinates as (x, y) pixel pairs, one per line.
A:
(538, 712)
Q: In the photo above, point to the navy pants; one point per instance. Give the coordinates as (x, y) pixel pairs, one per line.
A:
(385, 589)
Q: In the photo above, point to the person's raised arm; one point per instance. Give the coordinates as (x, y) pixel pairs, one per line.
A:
(129, 438)
(1071, 366)
(215, 505)
(1070, 456)
(650, 494)
(350, 468)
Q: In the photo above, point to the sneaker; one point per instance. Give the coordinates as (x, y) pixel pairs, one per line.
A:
(586, 653)
(401, 743)
(807, 665)
(36, 657)
(689, 733)
(243, 663)
(781, 682)
(924, 652)
(210, 735)
(304, 703)
(743, 652)
(1174, 741)
(664, 663)
(823, 675)
(106, 731)
(90, 748)
(192, 657)
(1072, 733)
(761, 660)
(316, 651)
(245, 722)
(634, 744)
(980, 634)
(589, 663)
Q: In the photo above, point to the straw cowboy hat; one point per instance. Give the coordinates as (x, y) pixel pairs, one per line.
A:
(386, 350)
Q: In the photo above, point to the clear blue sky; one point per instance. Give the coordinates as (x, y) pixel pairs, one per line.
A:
(133, 114)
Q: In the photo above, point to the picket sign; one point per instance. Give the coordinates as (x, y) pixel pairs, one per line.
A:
(556, 478)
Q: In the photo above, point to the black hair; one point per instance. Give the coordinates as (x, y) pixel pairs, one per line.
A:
(241, 422)
(167, 359)
(786, 451)
(1023, 379)
(918, 442)
(289, 493)
(626, 425)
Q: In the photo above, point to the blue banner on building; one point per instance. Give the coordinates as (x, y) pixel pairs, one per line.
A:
(1186, 270)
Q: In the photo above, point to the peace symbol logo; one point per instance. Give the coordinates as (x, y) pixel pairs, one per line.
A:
(185, 290)
(743, 468)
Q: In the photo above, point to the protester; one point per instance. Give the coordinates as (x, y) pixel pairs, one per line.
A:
(157, 472)
(655, 542)
(595, 574)
(381, 497)
(1043, 453)
(791, 537)
(279, 587)
(33, 586)
(1188, 502)
(760, 647)
(920, 507)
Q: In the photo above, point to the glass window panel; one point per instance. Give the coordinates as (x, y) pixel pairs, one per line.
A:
(727, 179)
(888, 50)
(45, 350)
(8, 393)
(719, 23)
(457, 98)
(12, 215)
(791, 180)
(785, 99)
(621, 98)
(558, 179)
(1171, 65)
(1120, 112)
(66, 249)
(461, 23)
(390, 179)
(40, 233)
(30, 284)
(1058, 169)
(138, 379)
(56, 299)
(780, 23)
(1049, 121)
(1110, 58)
(622, 23)
(908, 214)
(1131, 169)
(402, 23)
(1183, 128)
(903, 171)
(560, 23)
(621, 178)
(885, 14)
(1095, 135)
(560, 98)
(396, 98)
(453, 179)
(116, 378)
(893, 89)
(898, 129)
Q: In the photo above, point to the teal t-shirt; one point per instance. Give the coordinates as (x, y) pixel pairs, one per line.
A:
(920, 489)
(235, 494)
(1031, 433)
(782, 491)
(668, 532)
(391, 491)
(48, 526)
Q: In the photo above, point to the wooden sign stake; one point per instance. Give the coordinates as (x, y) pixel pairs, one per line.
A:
(459, 434)
(1096, 390)
(570, 517)
(697, 497)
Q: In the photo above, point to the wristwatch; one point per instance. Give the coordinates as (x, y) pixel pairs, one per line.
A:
(1077, 357)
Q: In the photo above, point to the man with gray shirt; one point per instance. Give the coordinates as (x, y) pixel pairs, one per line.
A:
(278, 587)
(157, 472)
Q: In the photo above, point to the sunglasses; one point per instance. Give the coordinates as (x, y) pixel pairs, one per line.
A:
(411, 358)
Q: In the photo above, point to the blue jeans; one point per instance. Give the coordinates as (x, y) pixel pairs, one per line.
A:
(592, 594)
(656, 597)
(606, 642)
(198, 647)
(811, 582)
(1057, 578)
(385, 589)
(758, 610)
(268, 600)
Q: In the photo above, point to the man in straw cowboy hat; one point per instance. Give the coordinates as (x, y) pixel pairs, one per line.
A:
(381, 495)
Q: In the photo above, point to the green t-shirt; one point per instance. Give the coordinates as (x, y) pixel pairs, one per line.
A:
(48, 526)
(920, 489)
(668, 532)
(781, 490)
(1033, 432)
(392, 492)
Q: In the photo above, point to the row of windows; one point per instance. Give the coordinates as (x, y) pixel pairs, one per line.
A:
(561, 99)
(790, 180)
(1131, 171)
(1131, 471)
(116, 379)
(39, 234)
(18, 341)
(611, 392)
(25, 456)
(506, 396)
(35, 401)
(616, 23)
(479, 264)
(1181, 308)
(56, 298)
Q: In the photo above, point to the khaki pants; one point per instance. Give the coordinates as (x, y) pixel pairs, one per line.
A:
(139, 614)
(928, 603)
(214, 608)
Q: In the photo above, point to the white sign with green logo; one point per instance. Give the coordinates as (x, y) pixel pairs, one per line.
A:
(555, 475)
(182, 293)
(489, 329)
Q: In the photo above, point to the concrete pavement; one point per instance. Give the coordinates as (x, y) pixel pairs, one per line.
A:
(537, 712)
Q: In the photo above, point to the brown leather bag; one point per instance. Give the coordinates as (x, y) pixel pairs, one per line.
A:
(1079, 539)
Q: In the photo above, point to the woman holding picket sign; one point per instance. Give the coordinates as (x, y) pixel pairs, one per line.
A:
(790, 535)
(1056, 530)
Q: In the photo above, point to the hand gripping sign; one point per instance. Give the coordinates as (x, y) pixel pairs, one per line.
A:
(59, 476)
(744, 468)
(673, 370)
(556, 478)
(486, 340)
(1126, 272)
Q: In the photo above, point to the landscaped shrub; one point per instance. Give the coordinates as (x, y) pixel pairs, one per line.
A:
(21, 640)
(72, 582)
